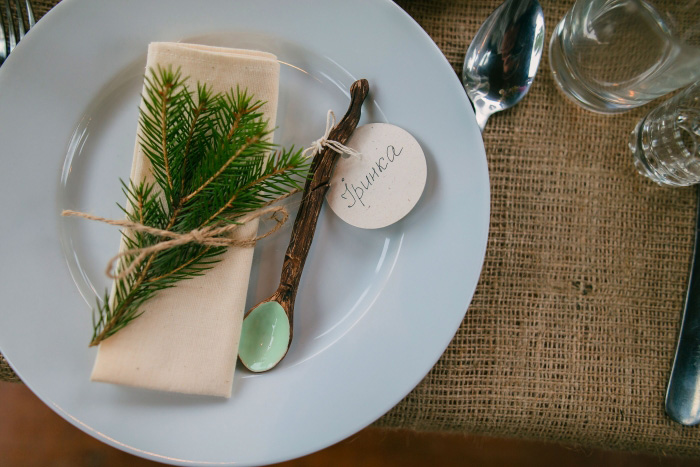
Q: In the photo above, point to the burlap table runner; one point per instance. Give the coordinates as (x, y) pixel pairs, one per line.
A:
(571, 333)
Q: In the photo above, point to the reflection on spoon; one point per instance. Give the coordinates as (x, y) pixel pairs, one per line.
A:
(502, 59)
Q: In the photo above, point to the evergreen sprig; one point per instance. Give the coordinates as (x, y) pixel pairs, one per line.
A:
(212, 162)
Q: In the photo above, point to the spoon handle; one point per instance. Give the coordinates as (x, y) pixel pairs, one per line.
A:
(683, 394)
(312, 198)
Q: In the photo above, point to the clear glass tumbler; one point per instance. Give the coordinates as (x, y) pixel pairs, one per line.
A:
(612, 55)
(666, 142)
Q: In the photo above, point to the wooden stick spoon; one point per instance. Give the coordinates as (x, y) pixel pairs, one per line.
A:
(268, 327)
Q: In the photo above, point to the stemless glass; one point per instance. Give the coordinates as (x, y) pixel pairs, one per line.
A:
(665, 142)
(612, 55)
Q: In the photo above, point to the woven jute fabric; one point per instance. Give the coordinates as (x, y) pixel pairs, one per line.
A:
(6, 373)
(571, 333)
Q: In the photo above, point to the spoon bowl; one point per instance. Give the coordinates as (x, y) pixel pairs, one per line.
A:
(503, 57)
(266, 334)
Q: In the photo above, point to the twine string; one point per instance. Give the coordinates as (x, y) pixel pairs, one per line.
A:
(214, 236)
(323, 142)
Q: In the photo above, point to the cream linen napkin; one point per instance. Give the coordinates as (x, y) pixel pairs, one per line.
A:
(187, 338)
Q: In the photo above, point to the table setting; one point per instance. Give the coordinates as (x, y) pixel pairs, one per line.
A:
(526, 274)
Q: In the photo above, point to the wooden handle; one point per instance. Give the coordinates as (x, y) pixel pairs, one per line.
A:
(312, 199)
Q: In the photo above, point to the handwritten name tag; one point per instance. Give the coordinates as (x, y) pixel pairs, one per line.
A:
(381, 187)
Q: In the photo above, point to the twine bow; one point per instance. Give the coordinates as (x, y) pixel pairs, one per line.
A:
(214, 236)
(323, 142)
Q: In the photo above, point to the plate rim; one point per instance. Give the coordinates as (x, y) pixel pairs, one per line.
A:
(65, 5)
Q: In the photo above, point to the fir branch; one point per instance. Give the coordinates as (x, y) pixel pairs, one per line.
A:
(212, 163)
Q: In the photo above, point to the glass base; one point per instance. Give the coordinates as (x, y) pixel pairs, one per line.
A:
(655, 170)
(573, 88)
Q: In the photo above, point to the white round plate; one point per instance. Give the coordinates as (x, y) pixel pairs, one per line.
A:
(376, 309)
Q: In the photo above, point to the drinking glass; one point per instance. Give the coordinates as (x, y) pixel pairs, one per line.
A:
(665, 143)
(612, 55)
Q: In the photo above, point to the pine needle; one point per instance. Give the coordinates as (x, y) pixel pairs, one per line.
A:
(212, 163)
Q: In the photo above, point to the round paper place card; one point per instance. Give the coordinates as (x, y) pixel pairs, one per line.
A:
(384, 184)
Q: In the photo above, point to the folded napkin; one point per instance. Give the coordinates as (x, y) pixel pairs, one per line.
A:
(187, 338)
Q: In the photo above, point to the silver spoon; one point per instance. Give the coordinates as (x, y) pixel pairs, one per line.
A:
(503, 57)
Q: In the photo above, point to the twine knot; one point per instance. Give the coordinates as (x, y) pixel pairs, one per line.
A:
(323, 142)
(198, 236)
